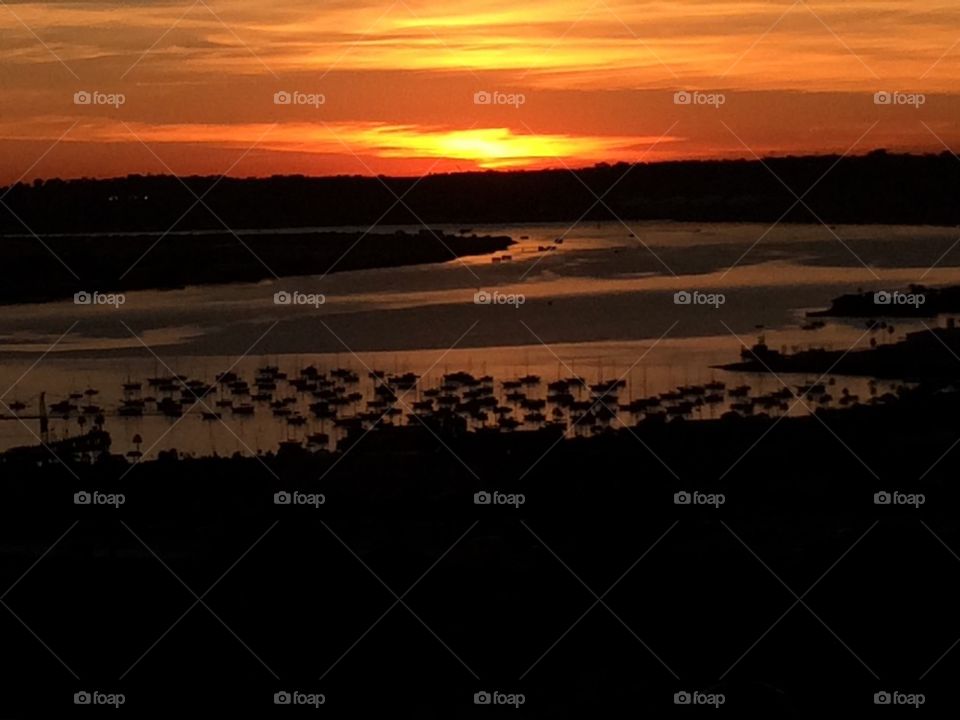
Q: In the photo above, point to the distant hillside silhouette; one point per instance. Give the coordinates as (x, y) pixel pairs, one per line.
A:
(876, 188)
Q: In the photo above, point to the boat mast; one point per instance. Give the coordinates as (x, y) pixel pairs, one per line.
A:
(44, 422)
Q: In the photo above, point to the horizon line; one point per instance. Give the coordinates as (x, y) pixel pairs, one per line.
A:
(495, 171)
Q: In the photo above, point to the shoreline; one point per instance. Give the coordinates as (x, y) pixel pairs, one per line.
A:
(145, 262)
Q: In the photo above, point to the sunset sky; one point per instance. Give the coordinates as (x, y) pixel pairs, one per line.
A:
(597, 80)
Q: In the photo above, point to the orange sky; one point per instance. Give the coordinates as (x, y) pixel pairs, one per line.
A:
(588, 81)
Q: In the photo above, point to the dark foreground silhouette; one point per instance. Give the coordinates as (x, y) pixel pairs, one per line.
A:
(407, 597)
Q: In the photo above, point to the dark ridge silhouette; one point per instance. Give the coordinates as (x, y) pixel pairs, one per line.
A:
(879, 187)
